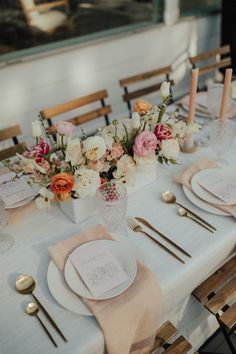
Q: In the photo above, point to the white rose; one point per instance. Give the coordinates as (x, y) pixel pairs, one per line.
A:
(73, 152)
(108, 138)
(36, 129)
(94, 147)
(86, 181)
(165, 89)
(135, 120)
(170, 149)
(125, 167)
(145, 163)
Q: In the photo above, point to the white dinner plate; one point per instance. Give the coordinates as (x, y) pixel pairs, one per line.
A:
(202, 204)
(67, 298)
(126, 259)
(203, 193)
(19, 204)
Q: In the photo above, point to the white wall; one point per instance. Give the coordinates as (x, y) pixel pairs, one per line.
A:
(30, 86)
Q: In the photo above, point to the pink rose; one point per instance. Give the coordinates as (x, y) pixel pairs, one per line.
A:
(116, 151)
(145, 144)
(163, 132)
(64, 128)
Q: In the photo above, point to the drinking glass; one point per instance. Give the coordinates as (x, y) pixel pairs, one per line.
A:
(6, 241)
(214, 97)
(222, 137)
(112, 206)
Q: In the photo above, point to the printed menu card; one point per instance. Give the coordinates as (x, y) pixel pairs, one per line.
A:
(222, 187)
(98, 268)
(12, 192)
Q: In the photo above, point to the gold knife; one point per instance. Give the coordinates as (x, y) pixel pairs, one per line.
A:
(147, 224)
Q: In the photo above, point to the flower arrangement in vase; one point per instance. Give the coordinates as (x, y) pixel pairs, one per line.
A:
(73, 168)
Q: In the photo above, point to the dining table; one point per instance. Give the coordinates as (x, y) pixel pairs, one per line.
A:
(36, 231)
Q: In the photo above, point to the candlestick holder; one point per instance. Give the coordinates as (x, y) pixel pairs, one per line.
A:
(189, 145)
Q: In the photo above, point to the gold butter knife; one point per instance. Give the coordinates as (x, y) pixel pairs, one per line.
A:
(147, 224)
(137, 228)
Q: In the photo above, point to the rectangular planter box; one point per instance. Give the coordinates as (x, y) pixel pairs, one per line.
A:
(80, 209)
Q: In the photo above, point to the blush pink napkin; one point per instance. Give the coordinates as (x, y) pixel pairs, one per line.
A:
(184, 177)
(130, 320)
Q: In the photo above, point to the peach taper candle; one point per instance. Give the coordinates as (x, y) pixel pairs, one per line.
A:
(193, 94)
(226, 92)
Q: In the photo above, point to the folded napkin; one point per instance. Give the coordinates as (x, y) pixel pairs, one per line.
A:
(130, 320)
(184, 177)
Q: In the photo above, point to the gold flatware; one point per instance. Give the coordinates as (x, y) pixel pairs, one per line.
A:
(183, 212)
(170, 198)
(137, 228)
(147, 224)
(25, 284)
(32, 309)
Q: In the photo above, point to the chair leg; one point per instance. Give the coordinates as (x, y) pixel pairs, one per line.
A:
(227, 337)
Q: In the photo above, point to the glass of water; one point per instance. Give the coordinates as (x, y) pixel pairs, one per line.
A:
(112, 206)
(222, 137)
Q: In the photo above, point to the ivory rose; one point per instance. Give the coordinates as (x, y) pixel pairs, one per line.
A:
(142, 106)
(62, 184)
(170, 149)
(87, 182)
(145, 144)
(94, 147)
(145, 163)
(125, 169)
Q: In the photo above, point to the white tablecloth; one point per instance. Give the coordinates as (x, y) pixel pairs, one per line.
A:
(21, 334)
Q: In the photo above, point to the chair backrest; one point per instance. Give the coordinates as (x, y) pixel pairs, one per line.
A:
(128, 95)
(212, 59)
(11, 133)
(27, 7)
(75, 104)
(218, 291)
(162, 341)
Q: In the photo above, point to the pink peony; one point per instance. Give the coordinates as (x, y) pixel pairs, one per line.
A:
(116, 151)
(64, 128)
(163, 132)
(145, 144)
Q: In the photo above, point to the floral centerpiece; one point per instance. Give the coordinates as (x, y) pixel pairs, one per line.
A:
(72, 168)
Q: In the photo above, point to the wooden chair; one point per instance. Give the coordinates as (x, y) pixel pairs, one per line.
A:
(11, 133)
(128, 95)
(217, 292)
(42, 16)
(97, 97)
(211, 60)
(166, 332)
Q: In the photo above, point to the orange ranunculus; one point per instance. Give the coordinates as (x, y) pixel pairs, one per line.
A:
(62, 183)
(142, 106)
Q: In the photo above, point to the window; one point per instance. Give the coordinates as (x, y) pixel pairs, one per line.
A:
(199, 7)
(31, 26)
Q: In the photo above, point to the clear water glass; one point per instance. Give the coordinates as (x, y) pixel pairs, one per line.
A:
(222, 137)
(112, 205)
(6, 241)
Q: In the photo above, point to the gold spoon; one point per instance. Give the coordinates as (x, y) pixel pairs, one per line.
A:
(25, 284)
(170, 198)
(32, 309)
(183, 212)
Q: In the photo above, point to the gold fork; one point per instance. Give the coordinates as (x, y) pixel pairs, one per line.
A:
(137, 228)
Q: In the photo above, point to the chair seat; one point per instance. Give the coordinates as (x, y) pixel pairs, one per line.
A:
(48, 21)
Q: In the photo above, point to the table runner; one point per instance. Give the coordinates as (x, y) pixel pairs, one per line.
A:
(128, 321)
